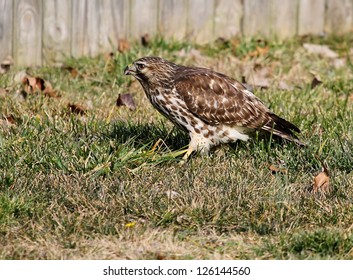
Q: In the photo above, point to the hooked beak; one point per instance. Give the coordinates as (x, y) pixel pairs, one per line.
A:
(130, 69)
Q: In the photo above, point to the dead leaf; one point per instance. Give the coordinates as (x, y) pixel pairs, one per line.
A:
(284, 86)
(49, 91)
(6, 65)
(77, 109)
(33, 84)
(315, 82)
(38, 85)
(108, 56)
(145, 40)
(260, 77)
(321, 50)
(73, 71)
(8, 121)
(277, 169)
(126, 100)
(11, 119)
(321, 184)
(123, 45)
(259, 51)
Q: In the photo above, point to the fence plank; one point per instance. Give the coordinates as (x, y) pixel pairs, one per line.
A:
(284, 16)
(339, 16)
(56, 30)
(28, 32)
(85, 22)
(5, 28)
(173, 18)
(143, 18)
(228, 17)
(311, 17)
(113, 23)
(257, 18)
(200, 22)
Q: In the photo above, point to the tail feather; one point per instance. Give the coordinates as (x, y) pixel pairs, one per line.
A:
(280, 127)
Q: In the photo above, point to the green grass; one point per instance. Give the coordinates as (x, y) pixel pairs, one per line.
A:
(96, 186)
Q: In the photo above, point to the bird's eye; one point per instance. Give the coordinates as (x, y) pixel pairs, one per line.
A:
(140, 66)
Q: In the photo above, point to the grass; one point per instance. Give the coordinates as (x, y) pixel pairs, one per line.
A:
(98, 186)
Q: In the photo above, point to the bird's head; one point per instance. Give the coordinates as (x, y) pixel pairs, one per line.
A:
(151, 70)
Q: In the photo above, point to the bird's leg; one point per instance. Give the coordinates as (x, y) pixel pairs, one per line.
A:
(198, 143)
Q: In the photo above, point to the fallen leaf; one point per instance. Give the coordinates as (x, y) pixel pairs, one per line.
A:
(11, 119)
(259, 51)
(77, 109)
(260, 77)
(145, 40)
(315, 82)
(6, 65)
(284, 86)
(321, 50)
(73, 71)
(126, 100)
(49, 91)
(277, 169)
(8, 121)
(123, 45)
(38, 85)
(321, 184)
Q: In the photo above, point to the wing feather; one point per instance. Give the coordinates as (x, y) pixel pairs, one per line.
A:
(217, 99)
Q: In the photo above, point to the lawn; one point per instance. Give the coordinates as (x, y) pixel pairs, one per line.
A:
(94, 180)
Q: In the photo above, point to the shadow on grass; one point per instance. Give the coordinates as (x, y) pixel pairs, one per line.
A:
(139, 135)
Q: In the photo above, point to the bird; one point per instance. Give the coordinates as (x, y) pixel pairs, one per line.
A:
(211, 107)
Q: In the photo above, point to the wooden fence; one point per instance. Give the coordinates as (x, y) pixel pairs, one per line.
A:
(36, 32)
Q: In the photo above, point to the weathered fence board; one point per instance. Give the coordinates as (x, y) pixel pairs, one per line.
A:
(5, 28)
(46, 31)
(143, 18)
(56, 30)
(284, 16)
(85, 28)
(339, 16)
(311, 17)
(227, 18)
(257, 18)
(113, 23)
(27, 41)
(200, 22)
(172, 18)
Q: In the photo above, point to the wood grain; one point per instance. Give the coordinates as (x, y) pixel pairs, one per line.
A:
(200, 21)
(56, 30)
(5, 28)
(257, 18)
(228, 18)
(311, 17)
(143, 18)
(284, 18)
(172, 18)
(339, 16)
(28, 32)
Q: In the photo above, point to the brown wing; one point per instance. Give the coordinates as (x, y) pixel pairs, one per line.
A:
(217, 99)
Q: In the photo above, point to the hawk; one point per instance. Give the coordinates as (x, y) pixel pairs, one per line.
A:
(211, 107)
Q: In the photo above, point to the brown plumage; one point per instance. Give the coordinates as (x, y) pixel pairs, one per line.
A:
(210, 106)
